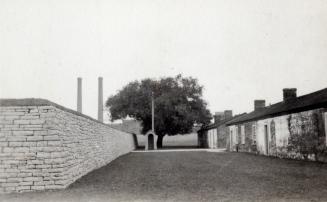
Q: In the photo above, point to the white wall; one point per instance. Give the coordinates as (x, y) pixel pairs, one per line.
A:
(282, 132)
(233, 137)
(212, 138)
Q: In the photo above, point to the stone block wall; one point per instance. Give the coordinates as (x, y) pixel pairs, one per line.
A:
(46, 146)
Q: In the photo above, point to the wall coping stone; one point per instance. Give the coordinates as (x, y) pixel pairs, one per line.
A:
(44, 102)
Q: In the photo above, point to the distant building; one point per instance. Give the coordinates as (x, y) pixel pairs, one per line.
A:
(294, 127)
(216, 135)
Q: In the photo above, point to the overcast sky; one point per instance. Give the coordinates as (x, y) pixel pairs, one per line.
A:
(240, 50)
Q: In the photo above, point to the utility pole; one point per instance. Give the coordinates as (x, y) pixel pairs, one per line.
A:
(152, 109)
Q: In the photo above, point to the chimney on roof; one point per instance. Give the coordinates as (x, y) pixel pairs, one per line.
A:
(259, 104)
(289, 94)
(218, 117)
(228, 114)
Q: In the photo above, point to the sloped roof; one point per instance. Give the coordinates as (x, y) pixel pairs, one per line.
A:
(310, 101)
(215, 125)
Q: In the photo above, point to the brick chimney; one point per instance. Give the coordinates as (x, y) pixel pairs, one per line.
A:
(259, 104)
(289, 94)
(218, 117)
(228, 114)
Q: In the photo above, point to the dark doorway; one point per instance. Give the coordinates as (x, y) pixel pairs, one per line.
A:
(266, 140)
(150, 142)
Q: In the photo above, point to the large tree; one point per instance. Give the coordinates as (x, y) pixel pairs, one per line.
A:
(178, 105)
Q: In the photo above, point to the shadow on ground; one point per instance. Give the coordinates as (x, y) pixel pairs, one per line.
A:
(194, 176)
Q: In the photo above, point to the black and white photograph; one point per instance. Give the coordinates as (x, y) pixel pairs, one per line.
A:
(163, 100)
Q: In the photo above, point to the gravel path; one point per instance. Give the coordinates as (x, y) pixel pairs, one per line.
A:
(194, 176)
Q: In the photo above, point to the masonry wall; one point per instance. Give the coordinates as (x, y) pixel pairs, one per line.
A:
(249, 144)
(217, 137)
(280, 141)
(212, 138)
(285, 135)
(223, 136)
(46, 147)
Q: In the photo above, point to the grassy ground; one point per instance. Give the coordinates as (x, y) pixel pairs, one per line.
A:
(194, 176)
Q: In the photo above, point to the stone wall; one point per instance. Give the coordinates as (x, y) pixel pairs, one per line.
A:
(216, 137)
(249, 145)
(298, 135)
(46, 146)
(223, 134)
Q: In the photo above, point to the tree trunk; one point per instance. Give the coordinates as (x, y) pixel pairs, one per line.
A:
(159, 141)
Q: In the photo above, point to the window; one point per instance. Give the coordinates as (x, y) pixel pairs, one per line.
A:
(242, 135)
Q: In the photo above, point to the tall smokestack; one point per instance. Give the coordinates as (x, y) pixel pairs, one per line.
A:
(79, 94)
(100, 99)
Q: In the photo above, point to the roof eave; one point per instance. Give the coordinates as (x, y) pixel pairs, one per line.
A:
(296, 110)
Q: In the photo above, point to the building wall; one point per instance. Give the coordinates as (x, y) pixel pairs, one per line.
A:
(214, 138)
(223, 136)
(233, 138)
(273, 135)
(242, 137)
(44, 147)
(249, 144)
(282, 135)
(203, 139)
(208, 139)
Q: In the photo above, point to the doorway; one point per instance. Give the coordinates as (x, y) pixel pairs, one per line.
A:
(150, 142)
(266, 140)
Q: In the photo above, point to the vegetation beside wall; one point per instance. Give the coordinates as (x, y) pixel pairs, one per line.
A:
(307, 135)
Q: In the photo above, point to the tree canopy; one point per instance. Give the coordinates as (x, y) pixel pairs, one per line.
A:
(178, 105)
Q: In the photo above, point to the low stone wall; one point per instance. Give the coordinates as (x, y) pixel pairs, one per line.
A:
(46, 146)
